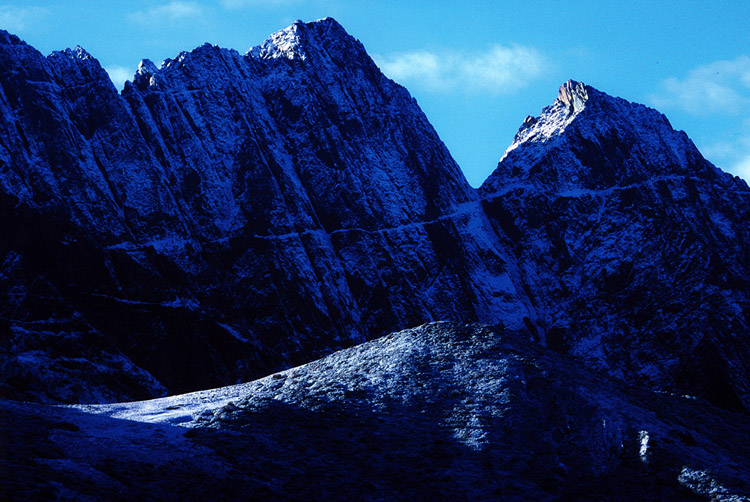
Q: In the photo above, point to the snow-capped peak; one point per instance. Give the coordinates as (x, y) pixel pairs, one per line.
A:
(78, 52)
(145, 73)
(282, 44)
(571, 100)
(146, 66)
(588, 139)
(298, 41)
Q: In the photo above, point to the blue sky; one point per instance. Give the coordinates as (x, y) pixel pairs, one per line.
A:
(477, 68)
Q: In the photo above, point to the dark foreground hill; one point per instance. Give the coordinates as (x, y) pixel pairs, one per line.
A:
(440, 412)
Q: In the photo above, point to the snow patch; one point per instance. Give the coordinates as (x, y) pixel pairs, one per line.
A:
(282, 44)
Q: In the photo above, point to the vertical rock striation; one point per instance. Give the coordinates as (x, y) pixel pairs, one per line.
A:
(242, 213)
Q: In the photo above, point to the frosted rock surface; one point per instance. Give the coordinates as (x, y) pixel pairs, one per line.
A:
(230, 215)
(238, 213)
(633, 246)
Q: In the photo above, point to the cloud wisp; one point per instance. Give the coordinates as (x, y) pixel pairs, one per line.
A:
(172, 12)
(498, 70)
(733, 152)
(720, 87)
(17, 19)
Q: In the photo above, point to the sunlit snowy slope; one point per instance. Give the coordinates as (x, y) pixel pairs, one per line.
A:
(440, 412)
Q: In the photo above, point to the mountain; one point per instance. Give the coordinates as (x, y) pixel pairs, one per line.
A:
(226, 216)
(633, 247)
(441, 412)
(229, 216)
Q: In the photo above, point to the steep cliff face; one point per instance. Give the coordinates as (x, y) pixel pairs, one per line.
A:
(301, 147)
(61, 123)
(230, 214)
(634, 248)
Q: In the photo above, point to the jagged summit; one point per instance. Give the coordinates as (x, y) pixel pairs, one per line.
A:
(78, 52)
(589, 139)
(294, 41)
(145, 71)
(574, 95)
(297, 42)
(282, 44)
(571, 100)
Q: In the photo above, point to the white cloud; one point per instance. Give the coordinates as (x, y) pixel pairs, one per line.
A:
(733, 152)
(719, 87)
(119, 74)
(742, 168)
(717, 91)
(172, 11)
(498, 70)
(17, 19)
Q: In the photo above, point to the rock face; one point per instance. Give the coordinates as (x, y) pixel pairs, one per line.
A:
(227, 215)
(232, 214)
(633, 247)
(442, 412)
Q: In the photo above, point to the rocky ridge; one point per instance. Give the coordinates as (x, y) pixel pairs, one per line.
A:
(230, 214)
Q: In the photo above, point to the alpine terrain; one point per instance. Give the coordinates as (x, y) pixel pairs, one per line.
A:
(576, 328)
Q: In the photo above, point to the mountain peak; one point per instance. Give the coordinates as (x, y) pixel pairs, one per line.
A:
(589, 139)
(8, 38)
(144, 75)
(282, 44)
(290, 43)
(574, 95)
(79, 53)
(554, 119)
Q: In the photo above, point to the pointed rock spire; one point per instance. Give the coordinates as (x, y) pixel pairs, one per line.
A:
(574, 95)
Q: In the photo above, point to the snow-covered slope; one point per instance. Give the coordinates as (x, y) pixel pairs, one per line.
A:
(633, 247)
(441, 412)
